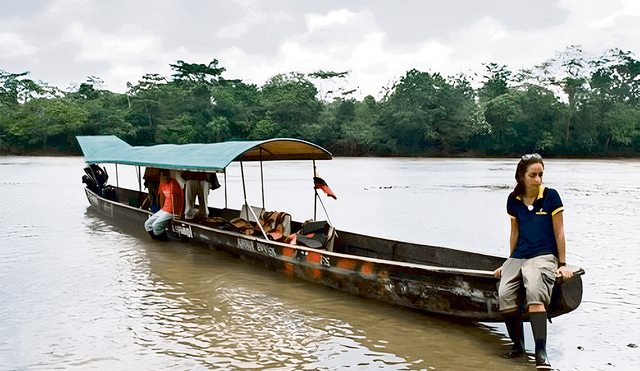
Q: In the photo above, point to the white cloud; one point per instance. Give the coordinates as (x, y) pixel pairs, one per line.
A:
(120, 41)
(128, 44)
(238, 29)
(338, 17)
(128, 54)
(233, 32)
(11, 45)
(630, 8)
(338, 41)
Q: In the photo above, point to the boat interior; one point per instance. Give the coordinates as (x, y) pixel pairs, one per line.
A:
(321, 235)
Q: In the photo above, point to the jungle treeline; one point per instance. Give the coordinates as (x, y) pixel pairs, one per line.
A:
(570, 105)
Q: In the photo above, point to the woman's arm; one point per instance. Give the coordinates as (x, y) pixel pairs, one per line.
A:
(558, 231)
(513, 242)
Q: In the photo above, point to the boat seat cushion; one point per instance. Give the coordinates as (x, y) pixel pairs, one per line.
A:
(317, 235)
(248, 215)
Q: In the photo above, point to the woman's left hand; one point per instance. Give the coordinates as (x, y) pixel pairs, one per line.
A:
(498, 272)
(564, 272)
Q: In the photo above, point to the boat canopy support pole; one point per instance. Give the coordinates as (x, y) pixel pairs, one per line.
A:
(139, 186)
(249, 208)
(315, 197)
(262, 179)
(226, 206)
(117, 182)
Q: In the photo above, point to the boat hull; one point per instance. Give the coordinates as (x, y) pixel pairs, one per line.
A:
(432, 279)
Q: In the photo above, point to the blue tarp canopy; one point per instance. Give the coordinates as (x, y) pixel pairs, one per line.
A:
(201, 156)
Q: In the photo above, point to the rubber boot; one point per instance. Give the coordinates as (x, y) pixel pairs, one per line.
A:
(160, 237)
(516, 334)
(538, 323)
(163, 236)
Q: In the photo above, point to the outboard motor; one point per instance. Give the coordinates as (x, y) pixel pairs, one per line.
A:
(95, 178)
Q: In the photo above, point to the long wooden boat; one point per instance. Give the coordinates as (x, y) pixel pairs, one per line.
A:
(433, 279)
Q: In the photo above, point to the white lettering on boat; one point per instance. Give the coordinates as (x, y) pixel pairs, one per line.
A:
(266, 250)
(183, 229)
(245, 244)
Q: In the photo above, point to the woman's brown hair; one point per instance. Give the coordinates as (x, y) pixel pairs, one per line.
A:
(521, 171)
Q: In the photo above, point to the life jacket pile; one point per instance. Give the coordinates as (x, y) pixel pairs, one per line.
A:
(312, 234)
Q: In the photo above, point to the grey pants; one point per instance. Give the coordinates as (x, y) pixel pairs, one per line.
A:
(536, 275)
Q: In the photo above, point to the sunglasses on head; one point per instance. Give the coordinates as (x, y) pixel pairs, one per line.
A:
(530, 156)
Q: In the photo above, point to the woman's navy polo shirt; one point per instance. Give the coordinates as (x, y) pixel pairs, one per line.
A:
(536, 225)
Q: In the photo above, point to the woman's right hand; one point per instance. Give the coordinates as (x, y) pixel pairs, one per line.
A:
(498, 272)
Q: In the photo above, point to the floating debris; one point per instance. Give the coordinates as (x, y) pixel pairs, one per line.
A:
(385, 187)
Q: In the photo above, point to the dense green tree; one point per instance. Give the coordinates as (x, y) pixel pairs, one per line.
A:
(617, 77)
(290, 101)
(409, 115)
(363, 129)
(145, 107)
(197, 73)
(501, 114)
(329, 83)
(425, 111)
(542, 114)
(567, 105)
(241, 106)
(43, 122)
(106, 110)
(457, 126)
(609, 113)
(15, 88)
(621, 126)
(568, 72)
(495, 83)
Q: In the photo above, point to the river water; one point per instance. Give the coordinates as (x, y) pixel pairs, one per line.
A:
(80, 291)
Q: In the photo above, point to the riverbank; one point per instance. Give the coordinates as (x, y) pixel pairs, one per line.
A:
(53, 152)
(48, 152)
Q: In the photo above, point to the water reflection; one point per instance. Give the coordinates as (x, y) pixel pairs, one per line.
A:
(191, 303)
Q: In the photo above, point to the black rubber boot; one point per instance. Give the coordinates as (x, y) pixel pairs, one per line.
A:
(160, 237)
(539, 328)
(516, 334)
(163, 236)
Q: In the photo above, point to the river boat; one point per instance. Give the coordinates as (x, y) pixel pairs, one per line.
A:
(433, 279)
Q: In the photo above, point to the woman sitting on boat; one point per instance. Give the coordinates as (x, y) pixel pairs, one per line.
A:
(537, 256)
(173, 202)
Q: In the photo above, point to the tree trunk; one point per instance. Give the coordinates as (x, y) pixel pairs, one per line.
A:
(566, 139)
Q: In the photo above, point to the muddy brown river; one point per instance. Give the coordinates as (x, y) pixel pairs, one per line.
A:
(80, 291)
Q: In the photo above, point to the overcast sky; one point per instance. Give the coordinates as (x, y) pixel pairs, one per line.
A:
(61, 42)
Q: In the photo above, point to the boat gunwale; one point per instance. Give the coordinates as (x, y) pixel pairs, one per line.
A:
(428, 268)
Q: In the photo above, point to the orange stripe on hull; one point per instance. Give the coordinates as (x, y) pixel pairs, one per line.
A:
(315, 258)
(288, 267)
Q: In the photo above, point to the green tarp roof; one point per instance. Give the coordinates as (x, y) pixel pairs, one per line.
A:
(201, 156)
